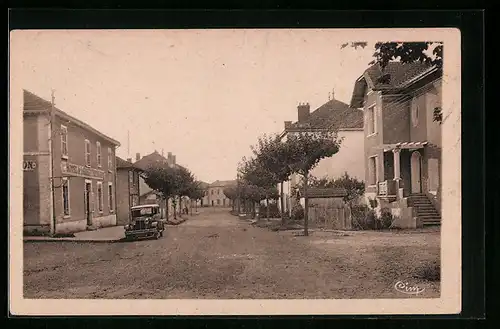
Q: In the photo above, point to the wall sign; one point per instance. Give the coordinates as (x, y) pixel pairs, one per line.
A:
(71, 169)
(29, 165)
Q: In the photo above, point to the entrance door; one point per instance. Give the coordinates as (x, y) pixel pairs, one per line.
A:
(416, 172)
(87, 194)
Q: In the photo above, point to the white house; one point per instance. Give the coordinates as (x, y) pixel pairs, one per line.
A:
(349, 124)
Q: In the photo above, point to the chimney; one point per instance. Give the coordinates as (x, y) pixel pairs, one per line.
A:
(137, 156)
(288, 124)
(333, 94)
(303, 111)
(129, 159)
(173, 159)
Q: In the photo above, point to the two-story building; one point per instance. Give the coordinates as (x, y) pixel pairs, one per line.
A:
(402, 139)
(69, 171)
(348, 123)
(127, 189)
(215, 193)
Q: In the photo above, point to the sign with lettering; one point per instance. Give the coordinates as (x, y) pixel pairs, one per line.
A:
(29, 165)
(71, 169)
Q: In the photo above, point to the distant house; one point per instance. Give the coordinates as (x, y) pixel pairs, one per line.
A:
(204, 201)
(127, 189)
(69, 184)
(215, 193)
(337, 115)
(402, 154)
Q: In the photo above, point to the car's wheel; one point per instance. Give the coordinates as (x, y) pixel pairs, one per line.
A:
(161, 233)
(157, 235)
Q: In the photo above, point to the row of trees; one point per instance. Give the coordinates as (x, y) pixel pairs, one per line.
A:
(274, 161)
(173, 183)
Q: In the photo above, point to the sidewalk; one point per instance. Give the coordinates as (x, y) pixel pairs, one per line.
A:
(106, 235)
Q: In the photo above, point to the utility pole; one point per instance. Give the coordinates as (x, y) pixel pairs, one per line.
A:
(51, 165)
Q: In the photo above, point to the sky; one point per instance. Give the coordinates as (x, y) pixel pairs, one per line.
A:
(204, 95)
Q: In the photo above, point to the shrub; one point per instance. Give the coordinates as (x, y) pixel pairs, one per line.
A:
(371, 219)
(429, 272)
(274, 212)
(373, 203)
(297, 212)
(359, 213)
(385, 218)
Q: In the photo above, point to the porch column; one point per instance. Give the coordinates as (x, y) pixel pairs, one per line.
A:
(397, 166)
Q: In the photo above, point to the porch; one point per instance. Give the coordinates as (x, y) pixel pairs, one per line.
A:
(401, 171)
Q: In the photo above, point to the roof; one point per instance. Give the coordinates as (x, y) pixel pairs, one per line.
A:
(219, 183)
(333, 113)
(203, 185)
(35, 104)
(316, 192)
(394, 76)
(124, 164)
(145, 206)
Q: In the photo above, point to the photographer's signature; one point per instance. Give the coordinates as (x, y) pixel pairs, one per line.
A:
(407, 288)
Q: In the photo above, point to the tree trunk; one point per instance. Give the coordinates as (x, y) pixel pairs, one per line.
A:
(282, 204)
(306, 206)
(267, 209)
(166, 208)
(191, 207)
(174, 205)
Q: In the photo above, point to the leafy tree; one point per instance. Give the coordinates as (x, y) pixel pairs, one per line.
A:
(305, 150)
(163, 180)
(430, 52)
(185, 181)
(272, 161)
(196, 192)
(231, 193)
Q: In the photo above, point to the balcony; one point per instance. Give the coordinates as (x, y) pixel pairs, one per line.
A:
(387, 190)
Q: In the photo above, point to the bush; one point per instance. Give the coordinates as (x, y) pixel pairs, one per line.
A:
(274, 212)
(385, 218)
(371, 219)
(298, 212)
(429, 272)
(359, 213)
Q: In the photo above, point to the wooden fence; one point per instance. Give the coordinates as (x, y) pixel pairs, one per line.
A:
(329, 214)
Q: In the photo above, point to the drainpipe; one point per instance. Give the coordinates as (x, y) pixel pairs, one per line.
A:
(51, 169)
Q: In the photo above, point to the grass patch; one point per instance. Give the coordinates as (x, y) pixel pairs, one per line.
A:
(429, 272)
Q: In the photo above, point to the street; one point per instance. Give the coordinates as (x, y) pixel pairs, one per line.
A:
(217, 255)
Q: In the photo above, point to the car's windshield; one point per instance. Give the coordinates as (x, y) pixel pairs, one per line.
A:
(144, 212)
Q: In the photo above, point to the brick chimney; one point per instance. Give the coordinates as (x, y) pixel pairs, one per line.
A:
(173, 159)
(137, 156)
(304, 109)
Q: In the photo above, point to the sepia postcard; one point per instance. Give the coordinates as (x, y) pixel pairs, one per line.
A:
(235, 172)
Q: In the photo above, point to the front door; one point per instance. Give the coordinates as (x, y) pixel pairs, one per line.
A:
(87, 194)
(416, 172)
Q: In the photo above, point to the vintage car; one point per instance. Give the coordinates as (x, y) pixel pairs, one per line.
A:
(145, 222)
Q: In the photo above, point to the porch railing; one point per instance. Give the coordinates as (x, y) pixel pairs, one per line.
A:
(387, 188)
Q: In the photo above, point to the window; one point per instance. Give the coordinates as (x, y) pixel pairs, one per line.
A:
(98, 147)
(87, 153)
(218, 191)
(65, 196)
(414, 114)
(64, 142)
(110, 159)
(99, 196)
(110, 194)
(433, 173)
(372, 170)
(212, 192)
(218, 201)
(371, 120)
(131, 177)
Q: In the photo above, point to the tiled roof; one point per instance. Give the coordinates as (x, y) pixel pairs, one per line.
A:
(316, 192)
(124, 164)
(395, 74)
(34, 103)
(219, 183)
(148, 160)
(333, 113)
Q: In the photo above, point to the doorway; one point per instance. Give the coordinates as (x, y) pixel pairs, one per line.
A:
(87, 202)
(416, 172)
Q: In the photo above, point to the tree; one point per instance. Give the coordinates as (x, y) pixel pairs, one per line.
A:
(230, 193)
(254, 173)
(355, 188)
(196, 192)
(163, 180)
(305, 150)
(273, 162)
(430, 52)
(185, 181)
